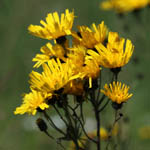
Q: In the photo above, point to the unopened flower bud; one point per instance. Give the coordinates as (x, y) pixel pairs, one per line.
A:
(41, 124)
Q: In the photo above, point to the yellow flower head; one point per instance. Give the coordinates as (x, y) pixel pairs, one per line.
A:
(103, 134)
(55, 75)
(48, 52)
(91, 70)
(31, 102)
(76, 57)
(83, 63)
(122, 6)
(54, 27)
(82, 143)
(144, 132)
(114, 55)
(107, 5)
(116, 92)
(90, 37)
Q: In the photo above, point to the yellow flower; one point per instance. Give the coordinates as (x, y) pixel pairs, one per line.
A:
(107, 5)
(83, 63)
(122, 6)
(144, 132)
(82, 143)
(54, 27)
(31, 102)
(103, 134)
(76, 56)
(55, 76)
(48, 52)
(116, 92)
(91, 70)
(114, 55)
(90, 37)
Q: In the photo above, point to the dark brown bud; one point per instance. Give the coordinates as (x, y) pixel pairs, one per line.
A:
(41, 124)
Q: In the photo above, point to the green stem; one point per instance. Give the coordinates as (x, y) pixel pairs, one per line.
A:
(97, 114)
(101, 109)
(73, 131)
(52, 123)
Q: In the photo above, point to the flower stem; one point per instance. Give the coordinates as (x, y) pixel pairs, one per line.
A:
(97, 114)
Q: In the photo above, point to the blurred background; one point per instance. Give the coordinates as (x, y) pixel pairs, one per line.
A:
(18, 48)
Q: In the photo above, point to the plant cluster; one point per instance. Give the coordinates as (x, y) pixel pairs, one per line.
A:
(72, 63)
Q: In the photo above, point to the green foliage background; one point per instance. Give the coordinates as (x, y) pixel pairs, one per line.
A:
(18, 48)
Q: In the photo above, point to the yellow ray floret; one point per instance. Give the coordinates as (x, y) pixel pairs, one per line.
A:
(55, 75)
(31, 102)
(84, 63)
(54, 26)
(116, 92)
(90, 37)
(76, 56)
(48, 51)
(122, 6)
(114, 55)
(91, 70)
